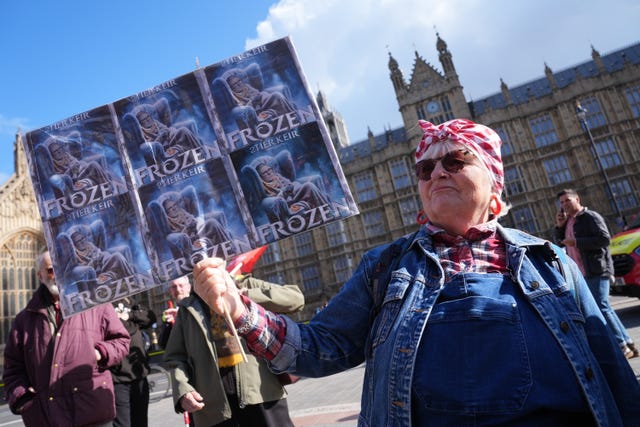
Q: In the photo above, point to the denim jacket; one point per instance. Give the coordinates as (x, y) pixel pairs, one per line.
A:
(345, 334)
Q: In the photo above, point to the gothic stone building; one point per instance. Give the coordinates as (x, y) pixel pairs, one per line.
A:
(545, 150)
(21, 240)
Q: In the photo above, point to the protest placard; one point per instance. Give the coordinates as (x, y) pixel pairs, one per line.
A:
(216, 162)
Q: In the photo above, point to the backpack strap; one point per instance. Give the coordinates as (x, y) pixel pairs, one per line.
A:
(561, 259)
(387, 263)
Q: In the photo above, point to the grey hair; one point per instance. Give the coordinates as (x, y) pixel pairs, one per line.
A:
(186, 279)
(442, 148)
(40, 260)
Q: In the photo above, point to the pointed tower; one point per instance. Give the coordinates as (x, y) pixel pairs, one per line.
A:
(372, 139)
(598, 60)
(19, 158)
(446, 59)
(550, 77)
(430, 94)
(505, 92)
(334, 121)
(396, 76)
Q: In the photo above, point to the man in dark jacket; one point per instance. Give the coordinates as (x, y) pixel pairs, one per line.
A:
(586, 238)
(56, 371)
(130, 376)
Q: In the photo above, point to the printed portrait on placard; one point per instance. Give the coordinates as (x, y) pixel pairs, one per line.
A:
(166, 129)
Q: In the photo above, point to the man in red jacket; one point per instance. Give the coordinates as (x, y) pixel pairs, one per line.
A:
(56, 371)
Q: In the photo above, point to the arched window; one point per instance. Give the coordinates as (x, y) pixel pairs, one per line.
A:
(17, 258)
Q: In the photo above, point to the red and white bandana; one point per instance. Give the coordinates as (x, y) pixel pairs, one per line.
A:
(482, 140)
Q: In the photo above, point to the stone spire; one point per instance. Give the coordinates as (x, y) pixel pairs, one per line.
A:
(19, 158)
(598, 60)
(505, 92)
(550, 77)
(396, 75)
(446, 59)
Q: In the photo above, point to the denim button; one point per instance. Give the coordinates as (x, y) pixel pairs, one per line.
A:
(589, 373)
(564, 326)
(535, 285)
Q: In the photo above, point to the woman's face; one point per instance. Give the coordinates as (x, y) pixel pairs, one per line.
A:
(460, 200)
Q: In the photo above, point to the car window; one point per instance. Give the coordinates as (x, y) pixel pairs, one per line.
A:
(636, 224)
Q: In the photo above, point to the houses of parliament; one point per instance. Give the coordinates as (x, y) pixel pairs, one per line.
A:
(546, 147)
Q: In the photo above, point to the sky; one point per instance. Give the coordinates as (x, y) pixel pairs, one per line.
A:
(61, 58)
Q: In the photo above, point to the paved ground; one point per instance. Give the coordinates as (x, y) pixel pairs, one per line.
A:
(313, 402)
(628, 310)
(329, 401)
(333, 401)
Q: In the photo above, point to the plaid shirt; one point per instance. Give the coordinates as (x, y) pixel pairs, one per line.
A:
(263, 330)
(480, 250)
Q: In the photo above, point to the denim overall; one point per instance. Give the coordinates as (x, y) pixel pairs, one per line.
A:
(477, 320)
(498, 349)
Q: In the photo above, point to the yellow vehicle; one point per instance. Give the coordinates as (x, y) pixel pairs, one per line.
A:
(625, 250)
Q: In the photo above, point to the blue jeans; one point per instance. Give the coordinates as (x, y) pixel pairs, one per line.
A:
(599, 286)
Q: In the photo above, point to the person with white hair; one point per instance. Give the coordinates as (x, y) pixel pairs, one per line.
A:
(464, 322)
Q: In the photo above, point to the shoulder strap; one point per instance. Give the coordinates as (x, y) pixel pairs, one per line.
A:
(561, 258)
(387, 262)
(556, 260)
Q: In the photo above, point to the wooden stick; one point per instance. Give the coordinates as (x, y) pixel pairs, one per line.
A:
(227, 318)
(235, 269)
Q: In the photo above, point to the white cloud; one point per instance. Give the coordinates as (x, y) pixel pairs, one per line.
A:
(11, 125)
(343, 46)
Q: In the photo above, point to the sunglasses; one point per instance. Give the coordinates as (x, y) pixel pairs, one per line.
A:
(452, 162)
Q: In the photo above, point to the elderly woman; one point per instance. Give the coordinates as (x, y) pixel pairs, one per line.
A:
(479, 325)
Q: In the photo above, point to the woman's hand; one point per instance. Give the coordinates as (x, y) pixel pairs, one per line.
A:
(215, 286)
